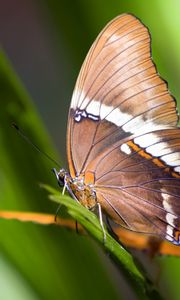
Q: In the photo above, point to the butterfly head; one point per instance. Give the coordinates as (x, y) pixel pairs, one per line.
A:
(60, 176)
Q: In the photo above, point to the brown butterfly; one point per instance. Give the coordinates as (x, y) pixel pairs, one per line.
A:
(123, 143)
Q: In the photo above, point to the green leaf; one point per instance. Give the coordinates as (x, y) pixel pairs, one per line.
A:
(47, 259)
(91, 223)
(30, 249)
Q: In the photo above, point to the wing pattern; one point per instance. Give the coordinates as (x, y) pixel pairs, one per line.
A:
(141, 189)
(122, 128)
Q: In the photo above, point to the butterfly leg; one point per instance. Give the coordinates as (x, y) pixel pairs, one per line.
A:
(57, 211)
(64, 188)
(101, 222)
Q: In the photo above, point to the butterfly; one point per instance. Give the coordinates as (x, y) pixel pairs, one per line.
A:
(123, 142)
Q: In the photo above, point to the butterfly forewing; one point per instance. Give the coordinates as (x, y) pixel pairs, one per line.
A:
(122, 129)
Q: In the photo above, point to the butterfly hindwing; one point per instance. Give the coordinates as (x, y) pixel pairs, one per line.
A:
(141, 185)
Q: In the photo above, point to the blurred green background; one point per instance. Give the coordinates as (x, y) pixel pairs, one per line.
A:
(46, 42)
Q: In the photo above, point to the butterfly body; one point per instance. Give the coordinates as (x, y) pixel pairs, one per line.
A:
(83, 193)
(123, 142)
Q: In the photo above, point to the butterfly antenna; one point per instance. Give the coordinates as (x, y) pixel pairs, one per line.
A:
(24, 136)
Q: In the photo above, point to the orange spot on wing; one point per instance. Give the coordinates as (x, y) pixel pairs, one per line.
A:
(139, 150)
(89, 177)
(133, 146)
(177, 234)
(144, 154)
(175, 174)
(157, 162)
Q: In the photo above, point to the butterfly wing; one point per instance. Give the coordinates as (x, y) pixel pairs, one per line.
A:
(138, 183)
(118, 93)
(122, 121)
